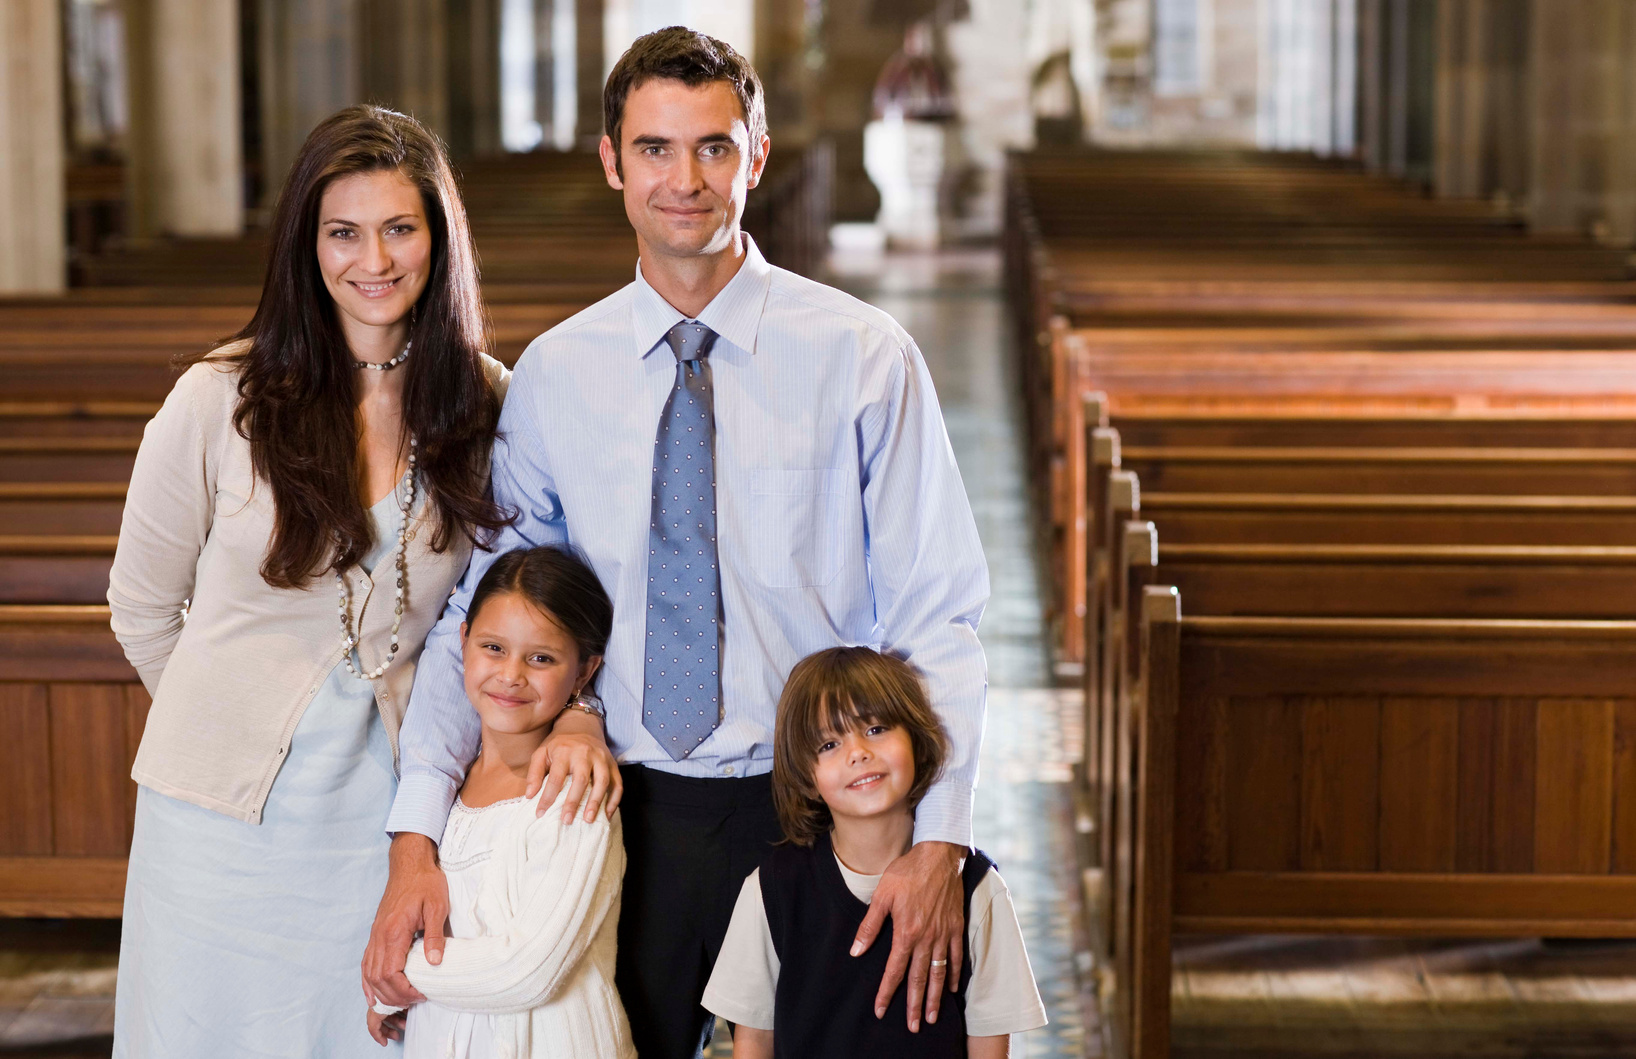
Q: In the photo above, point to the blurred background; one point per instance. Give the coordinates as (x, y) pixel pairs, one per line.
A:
(1364, 246)
(144, 119)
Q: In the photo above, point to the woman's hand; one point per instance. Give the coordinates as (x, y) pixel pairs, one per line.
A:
(416, 899)
(923, 894)
(576, 754)
(386, 1027)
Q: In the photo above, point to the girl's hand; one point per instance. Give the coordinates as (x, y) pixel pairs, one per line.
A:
(386, 1027)
(575, 754)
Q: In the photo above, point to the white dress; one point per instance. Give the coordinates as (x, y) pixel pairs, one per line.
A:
(246, 940)
(528, 972)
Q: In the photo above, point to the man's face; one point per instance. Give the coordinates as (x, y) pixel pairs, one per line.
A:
(688, 164)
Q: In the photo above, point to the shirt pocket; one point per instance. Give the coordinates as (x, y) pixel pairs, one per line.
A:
(796, 529)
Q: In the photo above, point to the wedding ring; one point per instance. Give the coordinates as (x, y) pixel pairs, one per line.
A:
(940, 963)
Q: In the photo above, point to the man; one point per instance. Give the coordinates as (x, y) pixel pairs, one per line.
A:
(756, 466)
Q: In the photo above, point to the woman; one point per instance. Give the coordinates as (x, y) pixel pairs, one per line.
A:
(306, 498)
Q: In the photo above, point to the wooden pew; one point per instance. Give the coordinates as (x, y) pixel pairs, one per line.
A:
(38, 508)
(1398, 776)
(73, 713)
(75, 418)
(55, 568)
(67, 459)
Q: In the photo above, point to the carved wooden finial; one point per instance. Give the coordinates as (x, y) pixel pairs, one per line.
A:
(1104, 443)
(1124, 494)
(1141, 543)
(1096, 408)
(1161, 603)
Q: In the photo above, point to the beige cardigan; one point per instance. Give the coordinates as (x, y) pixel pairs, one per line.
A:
(230, 682)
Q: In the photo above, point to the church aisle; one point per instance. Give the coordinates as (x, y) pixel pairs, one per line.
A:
(953, 306)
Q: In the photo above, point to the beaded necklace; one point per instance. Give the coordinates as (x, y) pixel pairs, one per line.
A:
(349, 638)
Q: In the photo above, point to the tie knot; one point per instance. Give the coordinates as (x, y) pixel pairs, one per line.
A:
(690, 340)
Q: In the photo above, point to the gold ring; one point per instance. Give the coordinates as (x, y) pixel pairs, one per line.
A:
(940, 963)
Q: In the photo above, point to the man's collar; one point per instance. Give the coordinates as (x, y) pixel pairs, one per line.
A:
(734, 313)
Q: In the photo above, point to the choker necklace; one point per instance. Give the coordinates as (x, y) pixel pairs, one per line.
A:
(389, 365)
(349, 638)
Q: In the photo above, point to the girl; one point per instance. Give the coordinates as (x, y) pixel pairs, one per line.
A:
(533, 901)
(306, 497)
(855, 747)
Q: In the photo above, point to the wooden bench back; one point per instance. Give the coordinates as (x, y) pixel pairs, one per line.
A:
(73, 712)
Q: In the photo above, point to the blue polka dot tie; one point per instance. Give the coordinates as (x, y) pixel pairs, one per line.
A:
(683, 672)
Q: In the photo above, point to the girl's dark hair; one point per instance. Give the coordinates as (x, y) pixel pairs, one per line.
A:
(835, 691)
(559, 583)
(297, 380)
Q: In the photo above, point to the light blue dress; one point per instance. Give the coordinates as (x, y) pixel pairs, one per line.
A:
(245, 940)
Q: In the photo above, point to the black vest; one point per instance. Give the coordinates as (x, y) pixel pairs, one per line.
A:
(825, 1004)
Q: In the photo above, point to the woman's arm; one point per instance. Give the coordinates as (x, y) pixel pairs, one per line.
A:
(567, 884)
(168, 511)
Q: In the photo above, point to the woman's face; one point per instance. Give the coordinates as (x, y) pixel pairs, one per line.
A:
(521, 667)
(374, 247)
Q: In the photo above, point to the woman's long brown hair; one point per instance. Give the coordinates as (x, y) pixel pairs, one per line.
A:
(297, 404)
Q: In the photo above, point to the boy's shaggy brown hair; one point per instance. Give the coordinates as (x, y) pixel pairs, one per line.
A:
(835, 691)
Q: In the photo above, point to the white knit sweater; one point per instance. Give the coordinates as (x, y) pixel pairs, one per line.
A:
(528, 972)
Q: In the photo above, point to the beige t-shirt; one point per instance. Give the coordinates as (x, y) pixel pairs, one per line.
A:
(1001, 998)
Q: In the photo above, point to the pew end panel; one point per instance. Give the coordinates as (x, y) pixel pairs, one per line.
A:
(74, 711)
(1427, 777)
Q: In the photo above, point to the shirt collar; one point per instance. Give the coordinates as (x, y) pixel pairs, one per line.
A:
(734, 313)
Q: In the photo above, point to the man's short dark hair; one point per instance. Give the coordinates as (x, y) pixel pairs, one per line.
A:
(688, 56)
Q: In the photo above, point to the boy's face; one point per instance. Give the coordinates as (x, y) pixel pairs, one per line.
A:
(685, 164)
(865, 771)
(521, 667)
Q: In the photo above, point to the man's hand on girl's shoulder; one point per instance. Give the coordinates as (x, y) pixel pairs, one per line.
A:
(576, 755)
(923, 894)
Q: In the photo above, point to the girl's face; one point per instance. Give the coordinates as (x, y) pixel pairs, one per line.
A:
(522, 667)
(374, 247)
(866, 770)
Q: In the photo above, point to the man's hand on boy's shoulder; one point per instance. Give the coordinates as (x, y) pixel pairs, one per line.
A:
(923, 894)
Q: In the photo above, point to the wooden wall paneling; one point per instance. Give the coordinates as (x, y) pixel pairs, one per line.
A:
(25, 782)
(1496, 785)
(1416, 903)
(88, 770)
(137, 704)
(1340, 783)
(1201, 785)
(1157, 714)
(1624, 787)
(1419, 785)
(1263, 783)
(1573, 784)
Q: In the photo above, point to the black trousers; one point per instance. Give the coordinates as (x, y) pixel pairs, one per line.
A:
(689, 845)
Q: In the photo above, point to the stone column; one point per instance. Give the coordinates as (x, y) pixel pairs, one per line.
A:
(33, 245)
(589, 72)
(1371, 84)
(404, 47)
(1553, 205)
(474, 77)
(309, 69)
(186, 171)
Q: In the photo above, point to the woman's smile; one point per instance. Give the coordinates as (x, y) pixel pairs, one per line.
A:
(376, 289)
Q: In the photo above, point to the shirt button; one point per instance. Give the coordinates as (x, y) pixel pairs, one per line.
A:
(727, 770)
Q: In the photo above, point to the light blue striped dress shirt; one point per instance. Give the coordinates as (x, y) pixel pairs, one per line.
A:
(841, 520)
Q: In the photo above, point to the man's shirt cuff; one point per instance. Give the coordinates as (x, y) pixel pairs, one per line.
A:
(422, 804)
(944, 814)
